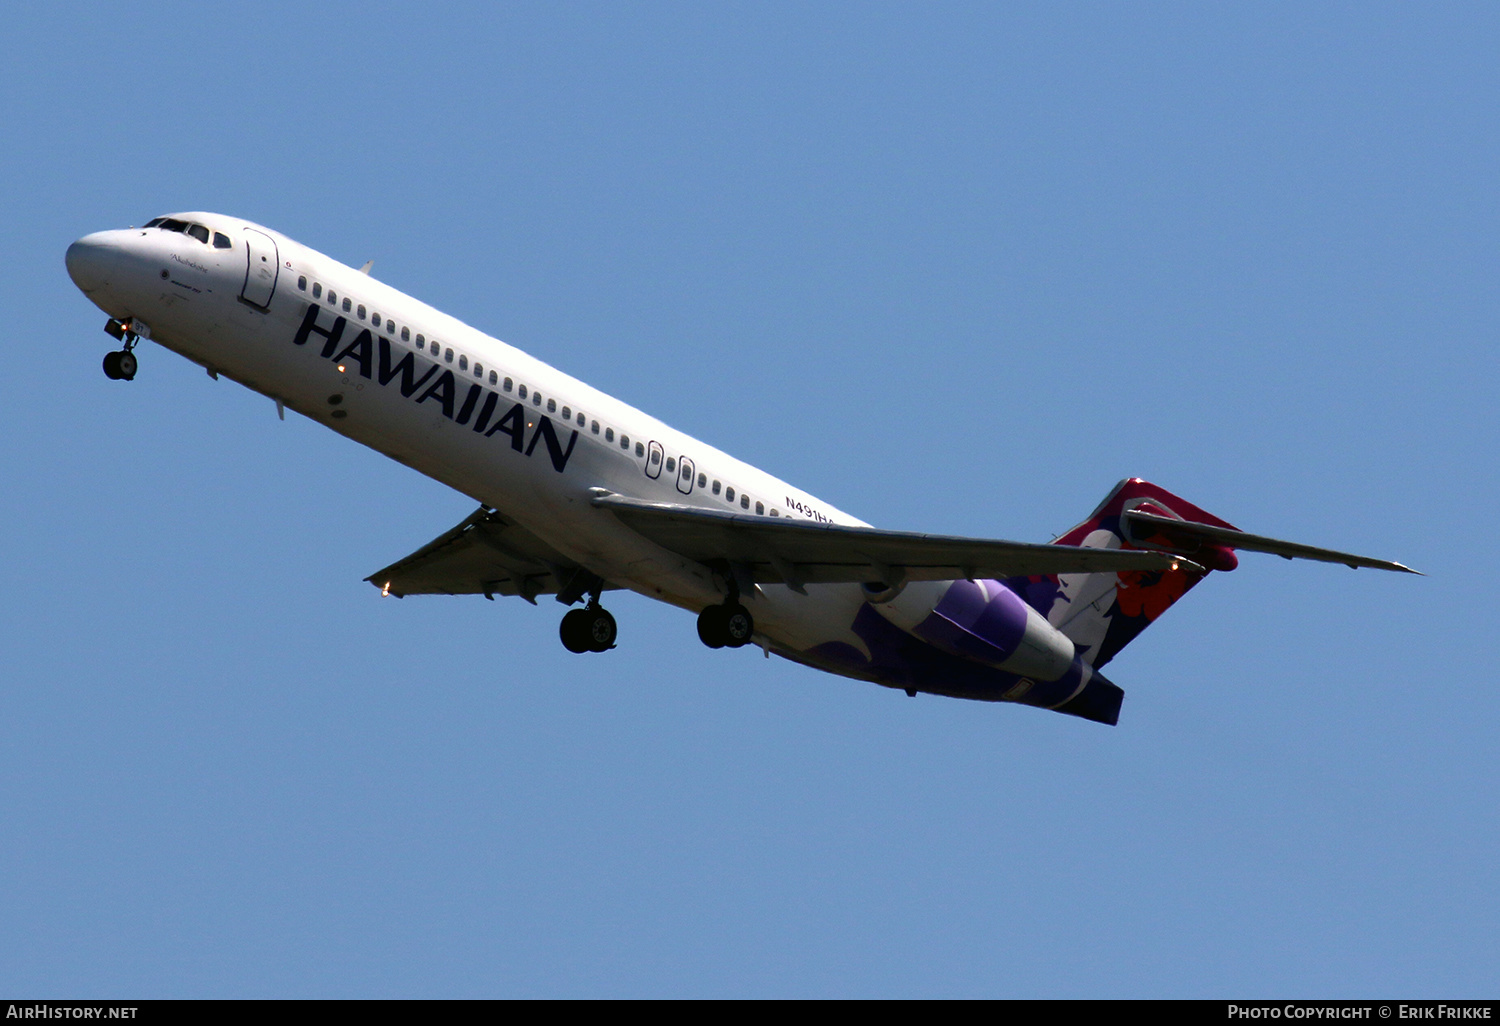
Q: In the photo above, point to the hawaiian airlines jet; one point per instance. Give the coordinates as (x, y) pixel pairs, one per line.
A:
(579, 493)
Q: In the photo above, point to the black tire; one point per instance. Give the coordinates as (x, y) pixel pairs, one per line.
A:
(711, 627)
(127, 364)
(602, 629)
(574, 630)
(739, 626)
(112, 366)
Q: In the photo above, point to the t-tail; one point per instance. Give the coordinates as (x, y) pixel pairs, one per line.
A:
(1101, 613)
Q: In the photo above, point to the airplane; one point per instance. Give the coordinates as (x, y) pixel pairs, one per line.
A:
(580, 494)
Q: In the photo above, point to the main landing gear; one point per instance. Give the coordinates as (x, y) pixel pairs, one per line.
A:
(726, 626)
(591, 629)
(121, 365)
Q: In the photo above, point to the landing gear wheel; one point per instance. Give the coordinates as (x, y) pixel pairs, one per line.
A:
(726, 626)
(739, 626)
(120, 365)
(712, 630)
(574, 630)
(602, 630)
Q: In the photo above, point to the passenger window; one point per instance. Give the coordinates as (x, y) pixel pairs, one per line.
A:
(374, 319)
(347, 305)
(198, 232)
(744, 502)
(405, 333)
(640, 450)
(463, 363)
(581, 419)
(702, 480)
(507, 384)
(729, 495)
(302, 283)
(390, 327)
(609, 434)
(520, 391)
(361, 311)
(221, 241)
(775, 512)
(567, 413)
(448, 356)
(760, 509)
(478, 371)
(551, 405)
(536, 398)
(671, 465)
(317, 290)
(494, 377)
(655, 456)
(595, 427)
(717, 486)
(421, 342)
(625, 442)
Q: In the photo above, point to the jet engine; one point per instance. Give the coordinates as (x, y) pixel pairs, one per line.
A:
(979, 620)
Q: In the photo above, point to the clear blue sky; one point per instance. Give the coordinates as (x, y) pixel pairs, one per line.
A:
(955, 268)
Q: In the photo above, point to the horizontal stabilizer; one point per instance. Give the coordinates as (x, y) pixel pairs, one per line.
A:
(1152, 531)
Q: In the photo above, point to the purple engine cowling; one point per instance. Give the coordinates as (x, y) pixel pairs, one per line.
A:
(983, 621)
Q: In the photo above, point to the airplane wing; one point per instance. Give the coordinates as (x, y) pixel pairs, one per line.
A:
(799, 552)
(1187, 536)
(485, 555)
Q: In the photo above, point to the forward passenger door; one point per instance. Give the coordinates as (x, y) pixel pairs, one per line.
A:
(262, 265)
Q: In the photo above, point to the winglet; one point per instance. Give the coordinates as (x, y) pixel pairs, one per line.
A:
(366, 269)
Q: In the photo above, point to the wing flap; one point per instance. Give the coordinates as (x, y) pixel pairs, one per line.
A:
(797, 552)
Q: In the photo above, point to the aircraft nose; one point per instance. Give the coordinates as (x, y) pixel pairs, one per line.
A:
(89, 261)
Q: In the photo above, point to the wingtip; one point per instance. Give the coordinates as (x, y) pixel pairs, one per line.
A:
(1384, 564)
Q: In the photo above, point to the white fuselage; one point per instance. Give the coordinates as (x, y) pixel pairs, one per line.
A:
(546, 453)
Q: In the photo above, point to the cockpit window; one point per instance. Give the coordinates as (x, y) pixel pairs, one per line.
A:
(197, 231)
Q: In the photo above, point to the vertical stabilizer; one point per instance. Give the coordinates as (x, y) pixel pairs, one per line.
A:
(1102, 613)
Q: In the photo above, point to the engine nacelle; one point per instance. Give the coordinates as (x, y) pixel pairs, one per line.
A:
(984, 621)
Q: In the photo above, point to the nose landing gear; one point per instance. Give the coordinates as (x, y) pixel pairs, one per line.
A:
(121, 365)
